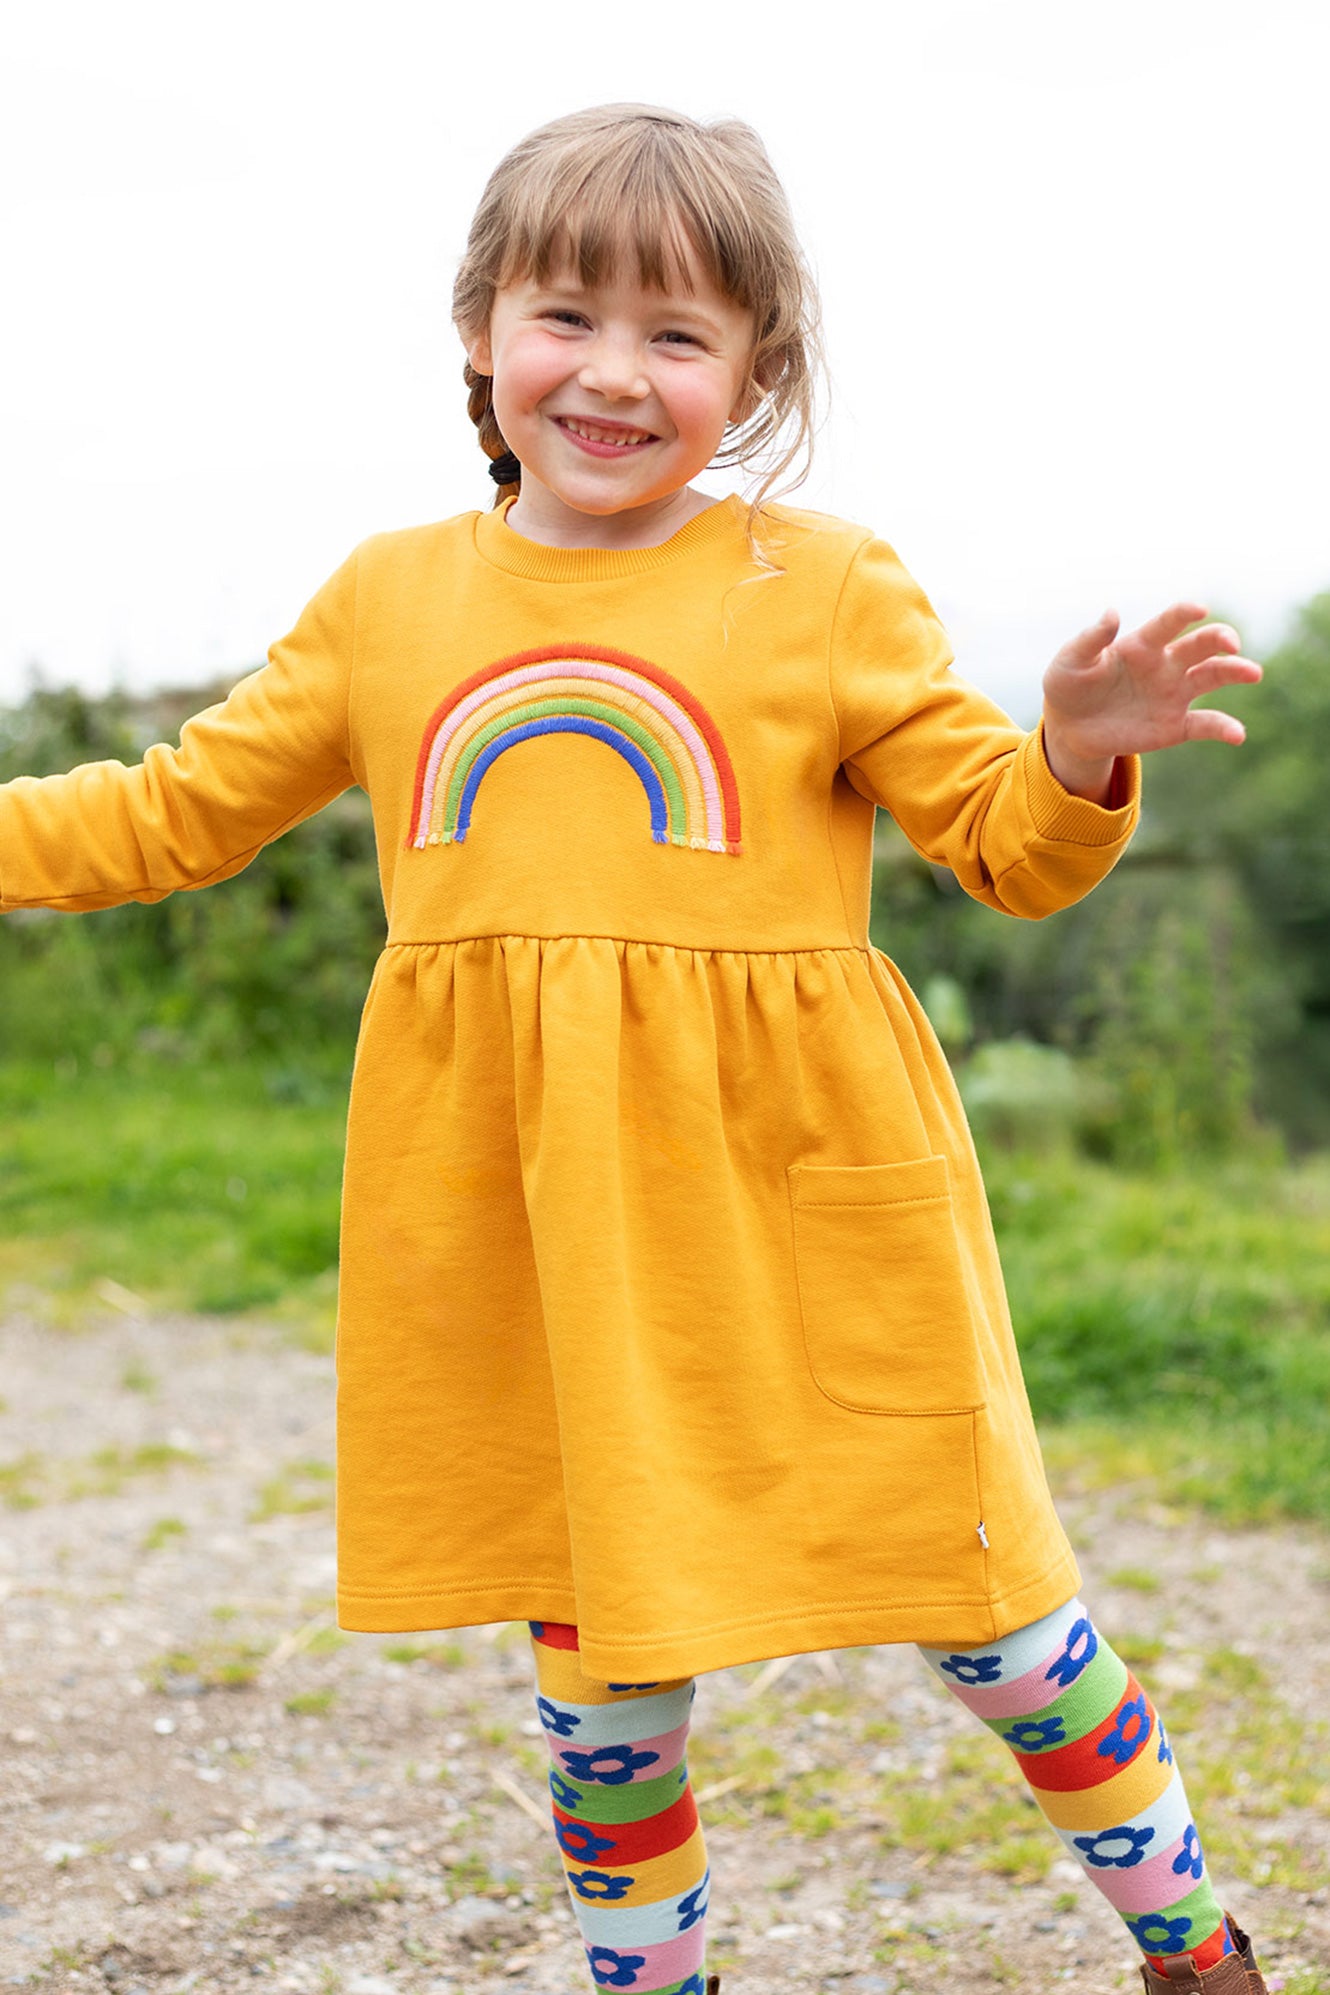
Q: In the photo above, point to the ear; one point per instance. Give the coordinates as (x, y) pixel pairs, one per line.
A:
(756, 389)
(479, 353)
(749, 402)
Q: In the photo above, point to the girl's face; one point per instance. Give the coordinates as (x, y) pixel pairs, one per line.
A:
(613, 397)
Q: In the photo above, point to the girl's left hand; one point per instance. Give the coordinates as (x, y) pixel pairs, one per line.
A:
(1107, 695)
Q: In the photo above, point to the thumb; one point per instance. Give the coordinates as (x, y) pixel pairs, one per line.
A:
(1086, 647)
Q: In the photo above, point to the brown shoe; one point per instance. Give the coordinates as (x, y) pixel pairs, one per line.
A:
(1236, 1974)
(713, 1984)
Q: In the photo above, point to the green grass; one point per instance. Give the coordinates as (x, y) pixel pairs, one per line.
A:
(311, 1703)
(1177, 1326)
(218, 1665)
(207, 1188)
(300, 1487)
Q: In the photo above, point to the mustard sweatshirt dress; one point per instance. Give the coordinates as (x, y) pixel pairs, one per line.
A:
(669, 1298)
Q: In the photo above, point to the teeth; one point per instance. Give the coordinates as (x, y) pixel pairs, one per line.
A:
(594, 435)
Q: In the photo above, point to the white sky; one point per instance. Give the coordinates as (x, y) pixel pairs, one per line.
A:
(1073, 262)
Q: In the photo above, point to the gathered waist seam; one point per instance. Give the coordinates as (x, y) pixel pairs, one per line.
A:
(638, 942)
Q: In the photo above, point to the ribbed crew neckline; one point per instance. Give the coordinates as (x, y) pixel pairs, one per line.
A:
(505, 548)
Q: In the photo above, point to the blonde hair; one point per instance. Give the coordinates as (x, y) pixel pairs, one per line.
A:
(627, 185)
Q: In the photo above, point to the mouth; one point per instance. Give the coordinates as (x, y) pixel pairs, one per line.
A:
(604, 439)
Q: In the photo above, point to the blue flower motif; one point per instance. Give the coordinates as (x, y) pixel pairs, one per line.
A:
(1115, 1849)
(537, 1628)
(689, 1909)
(598, 1887)
(576, 1839)
(566, 1796)
(973, 1669)
(1156, 1934)
(1189, 1857)
(632, 1686)
(614, 1970)
(1032, 1735)
(610, 1765)
(1078, 1652)
(1165, 1749)
(1129, 1734)
(693, 1986)
(562, 1723)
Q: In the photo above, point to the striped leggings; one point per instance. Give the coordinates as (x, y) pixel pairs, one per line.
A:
(1084, 1733)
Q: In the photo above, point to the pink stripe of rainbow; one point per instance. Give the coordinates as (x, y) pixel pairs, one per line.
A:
(677, 707)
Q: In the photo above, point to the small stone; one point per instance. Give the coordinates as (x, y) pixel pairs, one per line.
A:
(163, 1727)
(482, 1925)
(60, 1853)
(968, 1912)
(369, 1984)
(335, 1860)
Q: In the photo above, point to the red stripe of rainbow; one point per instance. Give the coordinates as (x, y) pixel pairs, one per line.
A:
(681, 726)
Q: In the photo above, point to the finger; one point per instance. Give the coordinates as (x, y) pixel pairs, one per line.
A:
(1170, 623)
(1196, 645)
(1209, 724)
(1212, 672)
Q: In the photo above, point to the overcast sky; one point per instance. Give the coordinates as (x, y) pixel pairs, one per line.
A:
(1073, 262)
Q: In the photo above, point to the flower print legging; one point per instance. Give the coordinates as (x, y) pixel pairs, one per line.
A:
(1084, 1733)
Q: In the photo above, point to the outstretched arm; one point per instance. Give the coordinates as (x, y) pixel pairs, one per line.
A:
(1106, 695)
(278, 749)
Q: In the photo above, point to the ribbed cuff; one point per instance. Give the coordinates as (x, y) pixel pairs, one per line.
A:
(1075, 820)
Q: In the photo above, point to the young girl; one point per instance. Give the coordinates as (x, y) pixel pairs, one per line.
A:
(671, 1318)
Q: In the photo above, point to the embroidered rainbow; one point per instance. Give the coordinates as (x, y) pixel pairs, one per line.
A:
(666, 736)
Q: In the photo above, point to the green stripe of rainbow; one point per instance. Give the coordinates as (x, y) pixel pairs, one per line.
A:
(662, 726)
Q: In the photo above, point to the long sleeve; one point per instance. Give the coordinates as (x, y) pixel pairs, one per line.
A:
(970, 790)
(275, 751)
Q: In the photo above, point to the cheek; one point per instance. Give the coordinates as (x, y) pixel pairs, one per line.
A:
(525, 374)
(700, 403)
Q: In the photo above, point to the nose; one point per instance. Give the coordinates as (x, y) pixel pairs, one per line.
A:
(612, 368)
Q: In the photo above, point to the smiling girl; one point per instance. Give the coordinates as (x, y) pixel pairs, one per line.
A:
(671, 1320)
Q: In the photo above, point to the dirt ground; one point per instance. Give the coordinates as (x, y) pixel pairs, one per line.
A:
(205, 1787)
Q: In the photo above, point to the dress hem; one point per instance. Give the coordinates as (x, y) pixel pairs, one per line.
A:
(962, 1622)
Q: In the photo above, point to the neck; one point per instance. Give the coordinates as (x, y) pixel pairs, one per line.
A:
(637, 526)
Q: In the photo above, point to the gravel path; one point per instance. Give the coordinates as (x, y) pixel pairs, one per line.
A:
(205, 1787)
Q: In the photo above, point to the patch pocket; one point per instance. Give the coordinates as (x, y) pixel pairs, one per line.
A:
(887, 1318)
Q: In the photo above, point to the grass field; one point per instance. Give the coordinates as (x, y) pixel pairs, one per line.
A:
(1173, 1325)
(212, 1189)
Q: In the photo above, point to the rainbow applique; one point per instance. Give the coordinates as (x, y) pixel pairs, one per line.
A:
(665, 735)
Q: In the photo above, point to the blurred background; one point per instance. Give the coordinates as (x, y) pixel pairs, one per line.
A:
(1075, 316)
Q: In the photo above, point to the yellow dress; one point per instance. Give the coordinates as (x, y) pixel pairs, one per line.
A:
(670, 1304)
